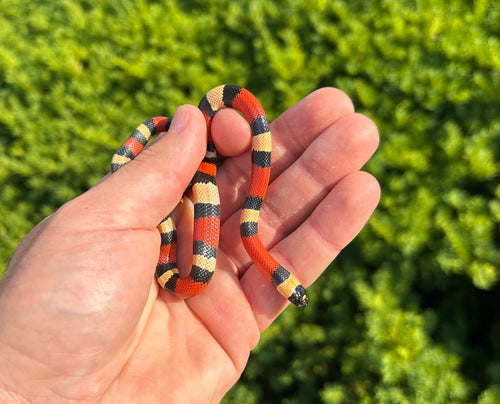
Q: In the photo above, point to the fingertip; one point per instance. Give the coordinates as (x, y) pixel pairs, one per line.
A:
(333, 96)
(231, 132)
(359, 193)
(188, 114)
(372, 188)
(368, 129)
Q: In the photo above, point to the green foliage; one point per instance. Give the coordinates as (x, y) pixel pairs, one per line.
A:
(409, 312)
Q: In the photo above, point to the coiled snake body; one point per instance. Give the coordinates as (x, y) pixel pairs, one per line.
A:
(206, 201)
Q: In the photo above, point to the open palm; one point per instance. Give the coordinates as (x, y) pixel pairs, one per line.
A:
(81, 319)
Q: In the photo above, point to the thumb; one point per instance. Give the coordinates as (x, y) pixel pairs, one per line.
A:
(145, 190)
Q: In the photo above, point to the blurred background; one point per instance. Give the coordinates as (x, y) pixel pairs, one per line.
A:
(410, 311)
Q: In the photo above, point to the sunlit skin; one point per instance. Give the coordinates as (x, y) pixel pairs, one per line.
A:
(81, 317)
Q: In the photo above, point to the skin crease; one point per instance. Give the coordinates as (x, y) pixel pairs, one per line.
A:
(83, 321)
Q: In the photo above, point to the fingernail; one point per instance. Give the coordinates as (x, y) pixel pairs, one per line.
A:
(180, 119)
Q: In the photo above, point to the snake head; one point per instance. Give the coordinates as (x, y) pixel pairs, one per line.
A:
(299, 297)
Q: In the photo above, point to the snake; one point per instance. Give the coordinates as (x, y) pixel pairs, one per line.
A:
(205, 197)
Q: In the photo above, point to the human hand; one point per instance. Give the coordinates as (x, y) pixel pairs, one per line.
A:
(81, 317)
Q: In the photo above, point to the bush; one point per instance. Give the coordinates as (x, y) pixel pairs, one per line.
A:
(409, 312)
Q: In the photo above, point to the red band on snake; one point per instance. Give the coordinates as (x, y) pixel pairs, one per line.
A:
(206, 201)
